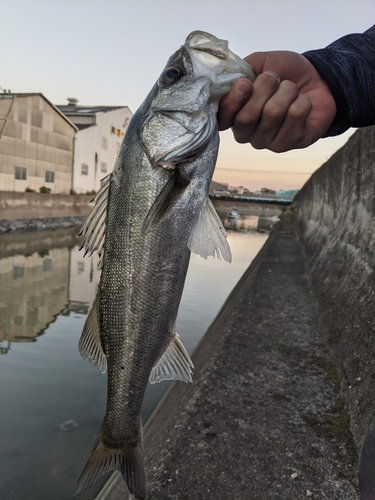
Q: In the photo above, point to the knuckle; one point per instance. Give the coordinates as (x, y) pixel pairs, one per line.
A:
(272, 110)
(240, 138)
(243, 121)
(296, 112)
(258, 143)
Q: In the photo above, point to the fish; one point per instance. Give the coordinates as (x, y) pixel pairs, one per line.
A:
(149, 214)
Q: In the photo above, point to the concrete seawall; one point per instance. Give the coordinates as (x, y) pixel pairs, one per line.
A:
(336, 224)
(16, 206)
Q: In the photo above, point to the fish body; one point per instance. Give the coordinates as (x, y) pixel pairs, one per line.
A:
(149, 214)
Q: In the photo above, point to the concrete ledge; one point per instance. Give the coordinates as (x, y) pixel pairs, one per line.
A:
(263, 418)
(15, 206)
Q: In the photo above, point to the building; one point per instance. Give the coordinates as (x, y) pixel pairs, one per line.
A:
(36, 144)
(217, 189)
(267, 193)
(97, 142)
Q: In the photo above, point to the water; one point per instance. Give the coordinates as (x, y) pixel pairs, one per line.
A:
(52, 402)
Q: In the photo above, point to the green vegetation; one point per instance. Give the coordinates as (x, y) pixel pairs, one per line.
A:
(337, 421)
(44, 190)
(29, 190)
(288, 213)
(331, 371)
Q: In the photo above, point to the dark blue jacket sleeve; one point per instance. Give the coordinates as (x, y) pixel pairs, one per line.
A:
(348, 67)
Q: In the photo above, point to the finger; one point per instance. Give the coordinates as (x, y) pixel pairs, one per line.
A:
(246, 120)
(273, 114)
(294, 133)
(232, 102)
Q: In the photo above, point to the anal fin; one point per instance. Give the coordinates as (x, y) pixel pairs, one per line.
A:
(90, 344)
(175, 364)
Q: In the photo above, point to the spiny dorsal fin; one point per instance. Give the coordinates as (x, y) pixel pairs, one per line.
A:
(208, 236)
(94, 229)
(175, 364)
(90, 344)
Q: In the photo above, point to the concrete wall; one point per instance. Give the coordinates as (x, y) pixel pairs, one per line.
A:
(336, 224)
(37, 139)
(15, 206)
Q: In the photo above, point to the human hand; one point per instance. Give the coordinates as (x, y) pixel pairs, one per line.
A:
(288, 106)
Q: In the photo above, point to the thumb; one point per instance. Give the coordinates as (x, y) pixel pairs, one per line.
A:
(258, 61)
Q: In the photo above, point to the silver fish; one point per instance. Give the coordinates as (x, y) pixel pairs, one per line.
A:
(148, 215)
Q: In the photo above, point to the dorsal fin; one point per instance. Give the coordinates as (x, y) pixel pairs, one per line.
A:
(208, 236)
(175, 364)
(94, 229)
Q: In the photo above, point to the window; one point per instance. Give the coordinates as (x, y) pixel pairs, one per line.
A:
(103, 166)
(104, 143)
(47, 264)
(84, 169)
(80, 267)
(20, 173)
(18, 272)
(50, 176)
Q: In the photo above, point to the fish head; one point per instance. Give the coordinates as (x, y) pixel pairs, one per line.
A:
(183, 114)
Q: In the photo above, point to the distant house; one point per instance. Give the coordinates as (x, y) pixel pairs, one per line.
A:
(217, 189)
(267, 193)
(98, 140)
(36, 144)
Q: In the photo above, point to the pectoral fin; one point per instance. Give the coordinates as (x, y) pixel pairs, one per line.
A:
(208, 236)
(175, 364)
(90, 344)
(165, 200)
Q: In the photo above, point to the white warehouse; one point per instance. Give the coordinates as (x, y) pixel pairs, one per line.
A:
(97, 141)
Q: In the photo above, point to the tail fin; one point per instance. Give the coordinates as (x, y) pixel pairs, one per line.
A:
(103, 459)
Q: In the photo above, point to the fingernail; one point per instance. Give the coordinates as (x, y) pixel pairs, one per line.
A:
(272, 73)
(242, 88)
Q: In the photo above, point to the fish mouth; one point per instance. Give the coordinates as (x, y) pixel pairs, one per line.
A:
(211, 56)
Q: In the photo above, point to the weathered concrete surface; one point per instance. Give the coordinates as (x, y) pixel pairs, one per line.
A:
(15, 206)
(336, 223)
(263, 418)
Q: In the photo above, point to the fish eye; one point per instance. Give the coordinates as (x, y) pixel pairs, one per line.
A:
(171, 75)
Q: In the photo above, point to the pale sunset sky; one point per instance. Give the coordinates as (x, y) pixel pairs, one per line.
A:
(110, 52)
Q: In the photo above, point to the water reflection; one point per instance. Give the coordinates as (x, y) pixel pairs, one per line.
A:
(53, 402)
(42, 275)
(235, 221)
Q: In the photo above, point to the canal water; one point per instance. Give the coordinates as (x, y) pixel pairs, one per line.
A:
(52, 402)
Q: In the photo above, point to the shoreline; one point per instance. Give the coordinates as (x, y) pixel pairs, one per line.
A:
(32, 225)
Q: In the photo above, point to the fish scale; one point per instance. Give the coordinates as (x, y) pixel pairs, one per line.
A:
(157, 212)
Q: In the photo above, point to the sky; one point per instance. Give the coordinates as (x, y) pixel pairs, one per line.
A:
(110, 52)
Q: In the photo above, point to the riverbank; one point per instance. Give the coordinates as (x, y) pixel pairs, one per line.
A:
(26, 225)
(263, 418)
